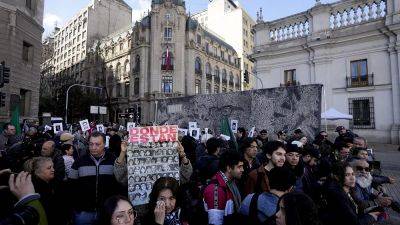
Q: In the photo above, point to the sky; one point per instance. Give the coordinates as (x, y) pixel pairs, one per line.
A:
(59, 11)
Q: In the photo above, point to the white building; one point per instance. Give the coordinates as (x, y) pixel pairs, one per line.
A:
(230, 21)
(352, 48)
(98, 20)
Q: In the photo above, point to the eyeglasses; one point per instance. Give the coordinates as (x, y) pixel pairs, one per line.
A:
(125, 216)
(360, 168)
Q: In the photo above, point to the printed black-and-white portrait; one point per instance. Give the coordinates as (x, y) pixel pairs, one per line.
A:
(131, 162)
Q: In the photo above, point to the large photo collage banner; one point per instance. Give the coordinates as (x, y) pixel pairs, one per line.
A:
(152, 153)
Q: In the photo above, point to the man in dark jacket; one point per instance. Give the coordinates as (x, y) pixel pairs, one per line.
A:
(8, 137)
(92, 180)
(207, 165)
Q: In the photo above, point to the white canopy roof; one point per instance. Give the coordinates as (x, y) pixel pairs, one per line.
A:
(333, 114)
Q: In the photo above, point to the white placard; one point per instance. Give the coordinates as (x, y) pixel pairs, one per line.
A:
(192, 125)
(107, 141)
(121, 127)
(100, 128)
(85, 126)
(130, 125)
(234, 126)
(225, 137)
(94, 109)
(57, 127)
(47, 128)
(102, 110)
(251, 133)
(182, 132)
(195, 133)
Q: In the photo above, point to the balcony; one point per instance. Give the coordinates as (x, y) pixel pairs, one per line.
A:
(360, 81)
(290, 84)
(167, 67)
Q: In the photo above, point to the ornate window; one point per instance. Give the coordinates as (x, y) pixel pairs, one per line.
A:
(197, 66)
(167, 84)
(167, 61)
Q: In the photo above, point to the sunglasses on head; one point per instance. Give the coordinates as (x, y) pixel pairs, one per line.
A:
(360, 168)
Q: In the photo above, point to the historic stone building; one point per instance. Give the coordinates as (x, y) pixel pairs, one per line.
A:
(20, 48)
(234, 25)
(352, 48)
(166, 54)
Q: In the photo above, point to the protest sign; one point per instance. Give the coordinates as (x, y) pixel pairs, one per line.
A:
(153, 134)
(100, 128)
(47, 128)
(152, 153)
(57, 127)
(182, 132)
(130, 125)
(251, 133)
(192, 125)
(84, 125)
(234, 126)
(195, 133)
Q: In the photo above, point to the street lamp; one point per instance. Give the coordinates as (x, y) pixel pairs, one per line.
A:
(66, 99)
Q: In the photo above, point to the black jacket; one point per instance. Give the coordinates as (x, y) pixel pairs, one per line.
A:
(207, 167)
(92, 182)
(340, 208)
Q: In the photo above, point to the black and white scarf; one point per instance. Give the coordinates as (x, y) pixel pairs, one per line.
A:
(173, 218)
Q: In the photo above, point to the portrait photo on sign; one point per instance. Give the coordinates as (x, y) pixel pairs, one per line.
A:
(234, 126)
(130, 125)
(192, 125)
(195, 133)
(57, 127)
(85, 126)
(182, 132)
(100, 128)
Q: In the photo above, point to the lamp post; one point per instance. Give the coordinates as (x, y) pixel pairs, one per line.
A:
(66, 99)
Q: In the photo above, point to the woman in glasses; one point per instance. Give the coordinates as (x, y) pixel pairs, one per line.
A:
(117, 210)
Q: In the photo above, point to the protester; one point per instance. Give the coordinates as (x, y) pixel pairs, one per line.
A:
(297, 135)
(297, 209)
(341, 207)
(281, 136)
(266, 203)
(294, 164)
(258, 179)
(68, 151)
(51, 199)
(92, 179)
(240, 135)
(262, 138)
(222, 196)
(8, 137)
(164, 206)
(248, 149)
(117, 210)
(28, 209)
(207, 165)
(49, 150)
(115, 142)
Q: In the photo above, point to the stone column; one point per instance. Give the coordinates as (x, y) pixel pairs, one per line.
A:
(203, 78)
(394, 71)
(212, 84)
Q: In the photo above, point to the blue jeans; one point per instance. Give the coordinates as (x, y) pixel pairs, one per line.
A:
(85, 218)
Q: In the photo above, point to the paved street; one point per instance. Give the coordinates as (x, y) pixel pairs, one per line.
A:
(390, 164)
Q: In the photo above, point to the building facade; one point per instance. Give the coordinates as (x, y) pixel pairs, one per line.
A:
(21, 48)
(233, 24)
(166, 54)
(352, 48)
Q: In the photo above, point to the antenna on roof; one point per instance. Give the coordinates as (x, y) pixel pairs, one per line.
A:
(260, 16)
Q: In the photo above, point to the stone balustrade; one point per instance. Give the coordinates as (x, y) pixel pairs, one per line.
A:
(347, 13)
(289, 28)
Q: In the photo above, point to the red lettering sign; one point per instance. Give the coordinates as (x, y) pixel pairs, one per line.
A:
(154, 134)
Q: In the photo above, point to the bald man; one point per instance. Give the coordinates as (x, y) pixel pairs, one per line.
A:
(49, 150)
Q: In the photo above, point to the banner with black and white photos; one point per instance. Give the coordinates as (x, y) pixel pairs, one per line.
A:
(146, 163)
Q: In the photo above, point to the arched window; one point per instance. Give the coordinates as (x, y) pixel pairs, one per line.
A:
(110, 73)
(126, 66)
(208, 68)
(231, 78)
(216, 73)
(137, 64)
(197, 66)
(167, 61)
(118, 70)
(224, 75)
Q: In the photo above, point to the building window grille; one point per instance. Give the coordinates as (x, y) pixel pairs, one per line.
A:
(167, 84)
(362, 110)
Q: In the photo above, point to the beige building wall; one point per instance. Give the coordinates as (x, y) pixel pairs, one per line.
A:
(20, 47)
(232, 23)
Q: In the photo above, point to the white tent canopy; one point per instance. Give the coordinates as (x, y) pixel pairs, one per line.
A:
(333, 114)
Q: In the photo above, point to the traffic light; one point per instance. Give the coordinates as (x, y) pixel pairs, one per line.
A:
(4, 74)
(246, 76)
(2, 99)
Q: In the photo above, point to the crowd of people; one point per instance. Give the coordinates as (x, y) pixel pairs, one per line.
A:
(82, 178)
